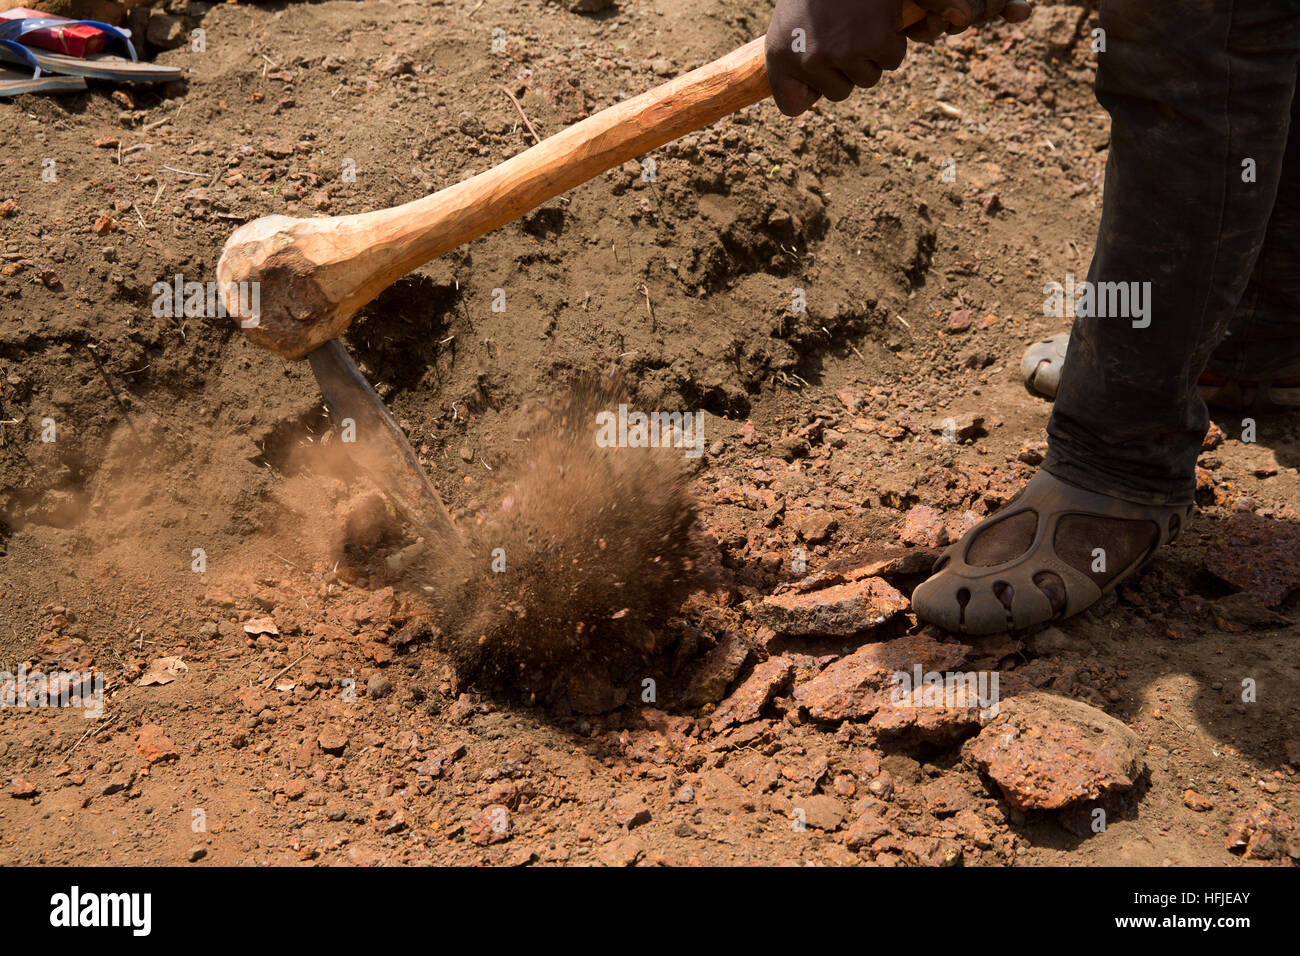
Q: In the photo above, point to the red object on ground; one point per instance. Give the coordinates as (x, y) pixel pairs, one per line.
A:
(75, 40)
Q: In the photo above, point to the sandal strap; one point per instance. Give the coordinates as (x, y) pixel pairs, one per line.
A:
(1051, 499)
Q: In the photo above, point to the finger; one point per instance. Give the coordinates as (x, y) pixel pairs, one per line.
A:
(864, 73)
(815, 72)
(1017, 11)
(831, 83)
(927, 30)
(958, 13)
(792, 96)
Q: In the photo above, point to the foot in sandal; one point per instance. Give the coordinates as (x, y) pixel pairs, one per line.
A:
(1054, 550)
(1041, 366)
(1042, 363)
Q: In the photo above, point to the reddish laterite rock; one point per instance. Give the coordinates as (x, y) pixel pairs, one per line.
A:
(492, 825)
(153, 746)
(1265, 833)
(910, 727)
(747, 701)
(839, 611)
(924, 528)
(1257, 555)
(1048, 753)
(863, 682)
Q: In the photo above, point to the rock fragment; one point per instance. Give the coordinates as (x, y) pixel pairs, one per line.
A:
(960, 427)
(332, 740)
(719, 668)
(870, 826)
(923, 527)
(261, 625)
(747, 701)
(1051, 641)
(1049, 753)
(492, 825)
(630, 811)
(625, 851)
(862, 683)
(166, 31)
(816, 526)
(1265, 833)
(717, 790)
(839, 611)
(117, 783)
(253, 699)
(1257, 555)
(819, 811)
(910, 727)
(153, 746)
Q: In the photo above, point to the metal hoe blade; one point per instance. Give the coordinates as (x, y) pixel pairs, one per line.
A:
(381, 450)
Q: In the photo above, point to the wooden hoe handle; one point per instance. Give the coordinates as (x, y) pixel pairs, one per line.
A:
(314, 274)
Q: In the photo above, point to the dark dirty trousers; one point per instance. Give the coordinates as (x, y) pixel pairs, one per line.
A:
(1194, 89)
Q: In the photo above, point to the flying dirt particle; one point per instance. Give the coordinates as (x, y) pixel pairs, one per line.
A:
(590, 553)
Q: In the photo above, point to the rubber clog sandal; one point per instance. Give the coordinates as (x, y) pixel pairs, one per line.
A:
(1238, 394)
(1041, 365)
(968, 599)
(1040, 368)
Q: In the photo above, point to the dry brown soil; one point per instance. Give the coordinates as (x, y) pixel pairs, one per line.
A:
(176, 434)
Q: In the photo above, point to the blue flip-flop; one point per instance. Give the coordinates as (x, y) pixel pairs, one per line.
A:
(97, 66)
(17, 82)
